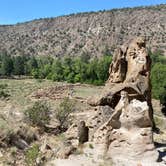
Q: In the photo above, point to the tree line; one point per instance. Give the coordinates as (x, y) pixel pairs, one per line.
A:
(79, 69)
(158, 76)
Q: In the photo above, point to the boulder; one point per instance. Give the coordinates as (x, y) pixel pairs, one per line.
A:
(65, 150)
(1, 155)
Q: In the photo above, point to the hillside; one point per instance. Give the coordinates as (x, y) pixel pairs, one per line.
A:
(93, 33)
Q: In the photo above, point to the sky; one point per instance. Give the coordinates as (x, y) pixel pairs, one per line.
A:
(16, 11)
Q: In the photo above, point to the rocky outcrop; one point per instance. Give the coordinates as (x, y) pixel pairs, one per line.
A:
(65, 150)
(21, 137)
(93, 118)
(129, 71)
(127, 136)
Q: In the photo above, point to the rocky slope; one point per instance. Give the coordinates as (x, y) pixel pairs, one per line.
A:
(94, 33)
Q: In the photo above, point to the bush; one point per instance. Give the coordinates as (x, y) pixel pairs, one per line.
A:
(31, 155)
(3, 91)
(158, 79)
(65, 108)
(38, 114)
(162, 97)
(3, 94)
(3, 86)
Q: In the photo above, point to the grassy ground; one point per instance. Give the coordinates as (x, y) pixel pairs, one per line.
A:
(20, 91)
(20, 96)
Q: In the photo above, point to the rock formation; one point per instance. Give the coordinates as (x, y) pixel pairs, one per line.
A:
(120, 121)
(126, 136)
(129, 71)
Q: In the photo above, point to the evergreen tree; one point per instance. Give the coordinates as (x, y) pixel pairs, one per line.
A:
(91, 71)
(102, 69)
(158, 78)
(19, 65)
(68, 69)
(57, 70)
(7, 65)
(80, 70)
(33, 63)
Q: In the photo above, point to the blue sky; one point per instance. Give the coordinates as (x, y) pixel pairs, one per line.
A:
(14, 11)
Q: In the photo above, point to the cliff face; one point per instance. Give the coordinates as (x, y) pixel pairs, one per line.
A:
(94, 33)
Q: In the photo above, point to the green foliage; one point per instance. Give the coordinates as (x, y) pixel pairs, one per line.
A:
(67, 69)
(6, 65)
(3, 94)
(91, 146)
(33, 63)
(3, 91)
(66, 107)
(162, 97)
(31, 155)
(38, 114)
(56, 71)
(157, 57)
(80, 69)
(158, 78)
(3, 86)
(35, 73)
(18, 64)
(103, 68)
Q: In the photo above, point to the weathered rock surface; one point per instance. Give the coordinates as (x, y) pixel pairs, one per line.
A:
(127, 136)
(129, 71)
(128, 133)
(21, 137)
(65, 150)
(94, 119)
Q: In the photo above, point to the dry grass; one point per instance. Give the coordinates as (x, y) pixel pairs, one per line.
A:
(20, 91)
(20, 97)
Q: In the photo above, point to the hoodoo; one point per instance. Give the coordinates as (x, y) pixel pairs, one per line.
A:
(126, 136)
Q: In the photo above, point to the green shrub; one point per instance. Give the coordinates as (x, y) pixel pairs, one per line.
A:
(66, 107)
(3, 92)
(162, 97)
(31, 155)
(91, 146)
(39, 80)
(3, 86)
(158, 78)
(38, 114)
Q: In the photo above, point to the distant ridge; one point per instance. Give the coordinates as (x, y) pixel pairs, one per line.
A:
(93, 33)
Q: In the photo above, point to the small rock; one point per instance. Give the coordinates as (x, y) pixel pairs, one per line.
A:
(20, 144)
(45, 147)
(1, 155)
(65, 150)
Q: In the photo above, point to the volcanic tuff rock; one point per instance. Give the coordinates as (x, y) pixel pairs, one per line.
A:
(93, 33)
(127, 137)
(129, 71)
